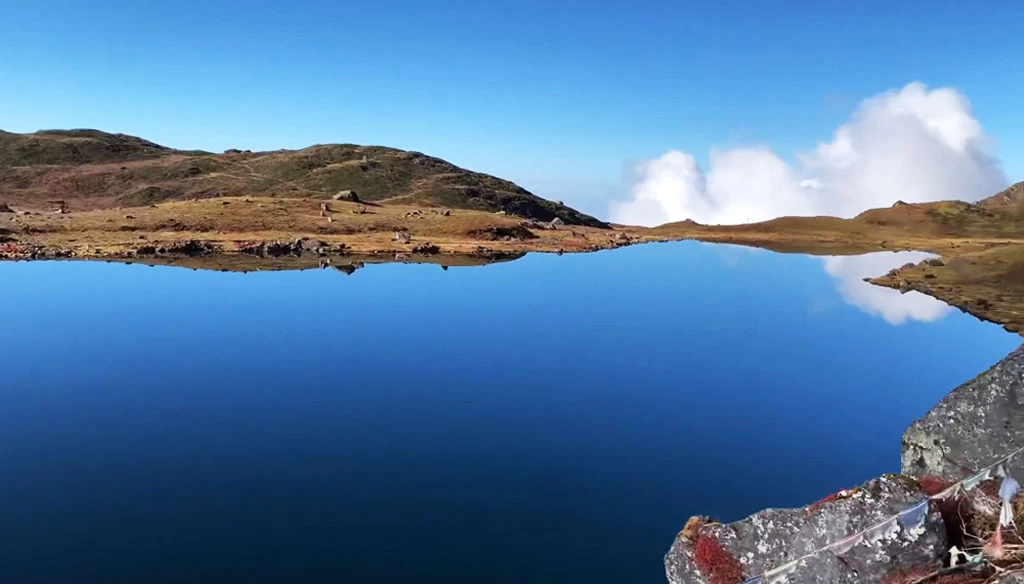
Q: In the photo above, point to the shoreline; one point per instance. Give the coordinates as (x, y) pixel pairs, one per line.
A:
(981, 271)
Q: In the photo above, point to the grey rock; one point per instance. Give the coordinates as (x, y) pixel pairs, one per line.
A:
(976, 424)
(305, 244)
(773, 537)
(935, 262)
(349, 196)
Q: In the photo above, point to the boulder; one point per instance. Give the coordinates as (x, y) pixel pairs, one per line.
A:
(976, 424)
(349, 196)
(306, 244)
(5, 208)
(719, 553)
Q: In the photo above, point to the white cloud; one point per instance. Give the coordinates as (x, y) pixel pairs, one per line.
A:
(915, 145)
(896, 308)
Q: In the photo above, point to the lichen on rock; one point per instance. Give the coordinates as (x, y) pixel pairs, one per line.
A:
(773, 537)
(977, 423)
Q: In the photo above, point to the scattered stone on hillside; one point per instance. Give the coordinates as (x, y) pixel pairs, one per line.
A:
(350, 196)
(556, 223)
(129, 216)
(402, 236)
(771, 538)
(976, 424)
(899, 204)
(935, 262)
(5, 208)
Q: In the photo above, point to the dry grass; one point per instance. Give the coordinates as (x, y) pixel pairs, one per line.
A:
(986, 282)
(362, 229)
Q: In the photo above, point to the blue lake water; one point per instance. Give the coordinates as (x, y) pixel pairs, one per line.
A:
(549, 420)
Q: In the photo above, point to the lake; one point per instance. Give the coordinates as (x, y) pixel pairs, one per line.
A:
(547, 420)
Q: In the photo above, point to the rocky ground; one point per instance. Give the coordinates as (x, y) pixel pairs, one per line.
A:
(269, 228)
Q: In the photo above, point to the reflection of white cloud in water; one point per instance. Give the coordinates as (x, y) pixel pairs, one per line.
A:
(850, 271)
(915, 145)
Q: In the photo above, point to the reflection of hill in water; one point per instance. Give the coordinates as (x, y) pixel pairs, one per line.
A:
(342, 263)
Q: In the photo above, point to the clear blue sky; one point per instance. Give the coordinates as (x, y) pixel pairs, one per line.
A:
(556, 95)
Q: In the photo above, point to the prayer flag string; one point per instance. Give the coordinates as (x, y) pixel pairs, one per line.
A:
(909, 519)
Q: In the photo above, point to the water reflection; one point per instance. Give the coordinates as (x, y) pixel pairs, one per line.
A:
(896, 308)
(848, 274)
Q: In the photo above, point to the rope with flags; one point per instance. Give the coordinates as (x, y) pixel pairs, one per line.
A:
(909, 519)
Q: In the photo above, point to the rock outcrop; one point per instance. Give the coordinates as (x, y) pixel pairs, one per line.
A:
(974, 426)
(978, 422)
(773, 537)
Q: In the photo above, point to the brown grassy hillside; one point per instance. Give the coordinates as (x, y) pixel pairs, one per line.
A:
(91, 170)
(938, 227)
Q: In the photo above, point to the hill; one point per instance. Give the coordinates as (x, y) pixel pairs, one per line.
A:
(90, 170)
(925, 226)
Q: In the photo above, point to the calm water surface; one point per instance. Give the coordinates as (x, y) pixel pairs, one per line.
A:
(550, 420)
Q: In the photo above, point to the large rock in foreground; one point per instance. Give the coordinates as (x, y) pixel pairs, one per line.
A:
(976, 424)
(771, 538)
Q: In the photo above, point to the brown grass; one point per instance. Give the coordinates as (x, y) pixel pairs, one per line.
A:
(361, 229)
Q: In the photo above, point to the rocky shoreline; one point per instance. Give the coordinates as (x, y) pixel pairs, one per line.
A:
(975, 424)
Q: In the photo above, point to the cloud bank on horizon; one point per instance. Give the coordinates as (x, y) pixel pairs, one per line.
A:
(914, 144)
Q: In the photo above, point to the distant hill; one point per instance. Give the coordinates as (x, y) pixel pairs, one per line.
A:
(1014, 195)
(91, 169)
(900, 226)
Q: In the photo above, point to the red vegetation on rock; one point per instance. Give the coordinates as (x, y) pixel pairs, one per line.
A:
(813, 507)
(932, 485)
(11, 248)
(716, 564)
